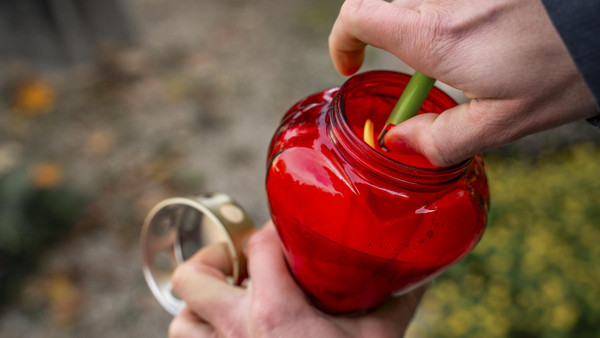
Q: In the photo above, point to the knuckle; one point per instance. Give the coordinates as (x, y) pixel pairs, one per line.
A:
(255, 242)
(432, 142)
(445, 21)
(350, 10)
(441, 147)
(437, 152)
(266, 317)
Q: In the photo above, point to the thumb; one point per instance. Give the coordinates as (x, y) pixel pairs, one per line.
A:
(267, 266)
(451, 137)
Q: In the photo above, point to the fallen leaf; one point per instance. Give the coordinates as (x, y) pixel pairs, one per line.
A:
(64, 298)
(34, 97)
(47, 175)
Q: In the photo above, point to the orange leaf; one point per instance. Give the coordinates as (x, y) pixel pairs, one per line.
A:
(64, 298)
(34, 98)
(47, 175)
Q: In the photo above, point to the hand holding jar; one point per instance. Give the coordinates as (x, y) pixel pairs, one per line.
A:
(272, 305)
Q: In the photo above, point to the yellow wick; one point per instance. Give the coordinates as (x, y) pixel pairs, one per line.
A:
(368, 134)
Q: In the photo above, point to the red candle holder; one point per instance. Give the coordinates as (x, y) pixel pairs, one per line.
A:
(359, 224)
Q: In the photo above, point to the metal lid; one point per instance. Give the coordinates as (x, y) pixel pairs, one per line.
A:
(178, 227)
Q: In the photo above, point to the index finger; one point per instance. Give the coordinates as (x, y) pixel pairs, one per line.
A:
(201, 281)
(366, 22)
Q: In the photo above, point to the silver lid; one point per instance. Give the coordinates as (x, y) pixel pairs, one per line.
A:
(178, 227)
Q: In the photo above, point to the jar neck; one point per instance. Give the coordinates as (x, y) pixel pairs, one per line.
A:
(384, 87)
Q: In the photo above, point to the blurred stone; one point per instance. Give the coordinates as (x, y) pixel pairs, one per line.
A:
(100, 141)
(10, 156)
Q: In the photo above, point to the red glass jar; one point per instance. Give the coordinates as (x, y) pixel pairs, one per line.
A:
(358, 224)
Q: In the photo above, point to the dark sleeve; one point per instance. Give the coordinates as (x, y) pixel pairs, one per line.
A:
(578, 23)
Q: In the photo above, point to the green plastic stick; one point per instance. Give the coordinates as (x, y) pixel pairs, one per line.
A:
(410, 102)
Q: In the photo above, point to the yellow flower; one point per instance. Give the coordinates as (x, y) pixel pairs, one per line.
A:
(473, 282)
(564, 316)
(553, 289)
(499, 296)
(446, 291)
(460, 322)
(499, 263)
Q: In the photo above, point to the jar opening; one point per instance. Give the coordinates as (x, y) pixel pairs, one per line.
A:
(372, 95)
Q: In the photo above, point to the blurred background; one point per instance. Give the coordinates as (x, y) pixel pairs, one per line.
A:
(108, 107)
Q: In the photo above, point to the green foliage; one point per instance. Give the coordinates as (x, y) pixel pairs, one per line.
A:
(536, 271)
(31, 218)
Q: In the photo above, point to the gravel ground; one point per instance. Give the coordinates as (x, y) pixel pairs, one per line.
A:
(189, 110)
